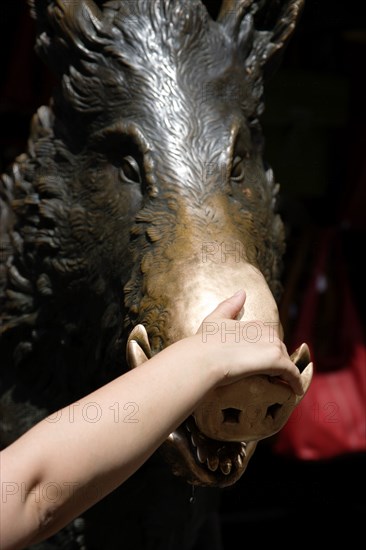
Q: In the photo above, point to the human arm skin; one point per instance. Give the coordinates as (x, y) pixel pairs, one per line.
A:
(57, 470)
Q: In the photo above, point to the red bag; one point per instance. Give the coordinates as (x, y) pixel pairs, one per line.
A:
(331, 419)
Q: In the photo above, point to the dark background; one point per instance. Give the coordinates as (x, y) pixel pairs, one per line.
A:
(315, 131)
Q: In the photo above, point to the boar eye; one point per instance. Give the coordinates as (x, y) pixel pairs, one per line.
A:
(237, 171)
(130, 170)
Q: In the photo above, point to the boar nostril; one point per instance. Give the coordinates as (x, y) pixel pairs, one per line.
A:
(272, 410)
(231, 416)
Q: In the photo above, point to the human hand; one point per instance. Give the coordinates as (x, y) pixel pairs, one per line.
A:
(243, 349)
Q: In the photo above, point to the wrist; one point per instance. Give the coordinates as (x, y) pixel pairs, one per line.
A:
(192, 356)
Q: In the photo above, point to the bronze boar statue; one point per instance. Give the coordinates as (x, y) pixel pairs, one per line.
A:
(141, 202)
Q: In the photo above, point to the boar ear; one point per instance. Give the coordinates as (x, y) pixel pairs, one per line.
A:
(260, 30)
(64, 27)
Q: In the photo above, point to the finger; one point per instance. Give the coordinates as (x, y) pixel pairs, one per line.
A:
(229, 308)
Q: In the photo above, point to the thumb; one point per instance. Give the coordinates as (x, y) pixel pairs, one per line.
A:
(229, 308)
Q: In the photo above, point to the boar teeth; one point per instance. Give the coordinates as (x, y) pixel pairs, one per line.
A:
(201, 455)
(243, 450)
(239, 461)
(215, 455)
(213, 463)
(226, 466)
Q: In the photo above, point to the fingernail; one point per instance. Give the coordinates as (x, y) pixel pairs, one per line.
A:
(238, 292)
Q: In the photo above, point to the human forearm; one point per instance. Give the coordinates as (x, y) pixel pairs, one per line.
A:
(128, 419)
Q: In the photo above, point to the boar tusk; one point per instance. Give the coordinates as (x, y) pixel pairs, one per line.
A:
(301, 356)
(306, 377)
(138, 347)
